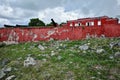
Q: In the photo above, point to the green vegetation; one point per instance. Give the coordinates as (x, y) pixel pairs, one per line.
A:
(50, 24)
(36, 22)
(67, 63)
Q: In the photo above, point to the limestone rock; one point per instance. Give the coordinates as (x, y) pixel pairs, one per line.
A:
(7, 69)
(59, 57)
(84, 47)
(10, 77)
(100, 51)
(2, 74)
(117, 55)
(113, 44)
(10, 42)
(41, 47)
(29, 61)
(5, 61)
(52, 53)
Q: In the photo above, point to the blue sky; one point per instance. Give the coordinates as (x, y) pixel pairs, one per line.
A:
(20, 11)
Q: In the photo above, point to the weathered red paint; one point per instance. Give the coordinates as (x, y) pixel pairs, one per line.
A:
(79, 30)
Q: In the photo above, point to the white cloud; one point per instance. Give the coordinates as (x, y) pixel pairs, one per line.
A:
(9, 12)
(20, 11)
(118, 2)
(4, 21)
(60, 15)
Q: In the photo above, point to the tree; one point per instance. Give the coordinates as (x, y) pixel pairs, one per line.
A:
(36, 22)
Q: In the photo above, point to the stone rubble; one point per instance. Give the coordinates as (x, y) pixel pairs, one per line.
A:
(113, 44)
(41, 47)
(5, 61)
(10, 42)
(100, 51)
(119, 44)
(117, 55)
(2, 74)
(52, 53)
(111, 57)
(9, 69)
(4, 71)
(84, 47)
(59, 57)
(29, 61)
(10, 77)
(51, 39)
(102, 36)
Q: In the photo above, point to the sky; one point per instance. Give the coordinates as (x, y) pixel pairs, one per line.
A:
(14, 12)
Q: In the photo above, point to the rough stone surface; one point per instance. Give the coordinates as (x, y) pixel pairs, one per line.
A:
(41, 47)
(52, 53)
(5, 61)
(100, 51)
(10, 77)
(111, 57)
(10, 42)
(117, 55)
(102, 36)
(59, 57)
(113, 44)
(2, 74)
(29, 61)
(84, 47)
(7, 69)
(51, 39)
(119, 44)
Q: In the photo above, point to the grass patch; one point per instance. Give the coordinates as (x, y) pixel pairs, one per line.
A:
(67, 62)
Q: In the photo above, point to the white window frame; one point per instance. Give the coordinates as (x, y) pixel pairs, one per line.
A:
(91, 23)
(76, 24)
(71, 24)
(99, 23)
(79, 24)
(87, 24)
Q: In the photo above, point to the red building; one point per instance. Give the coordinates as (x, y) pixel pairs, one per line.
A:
(89, 22)
(72, 30)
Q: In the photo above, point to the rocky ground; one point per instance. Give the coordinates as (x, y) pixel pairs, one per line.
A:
(91, 59)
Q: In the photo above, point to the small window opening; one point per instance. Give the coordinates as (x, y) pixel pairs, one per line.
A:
(87, 24)
(79, 24)
(92, 23)
(99, 23)
(76, 24)
(71, 24)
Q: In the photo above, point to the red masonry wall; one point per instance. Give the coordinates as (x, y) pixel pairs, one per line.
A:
(36, 34)
(108, 27)
(58, 33)
(112, 30)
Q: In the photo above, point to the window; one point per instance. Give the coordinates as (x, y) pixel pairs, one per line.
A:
(92, 23)
(99, 23)
(71, 24)
(76, 24)
(87, 24)
(79, 24)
